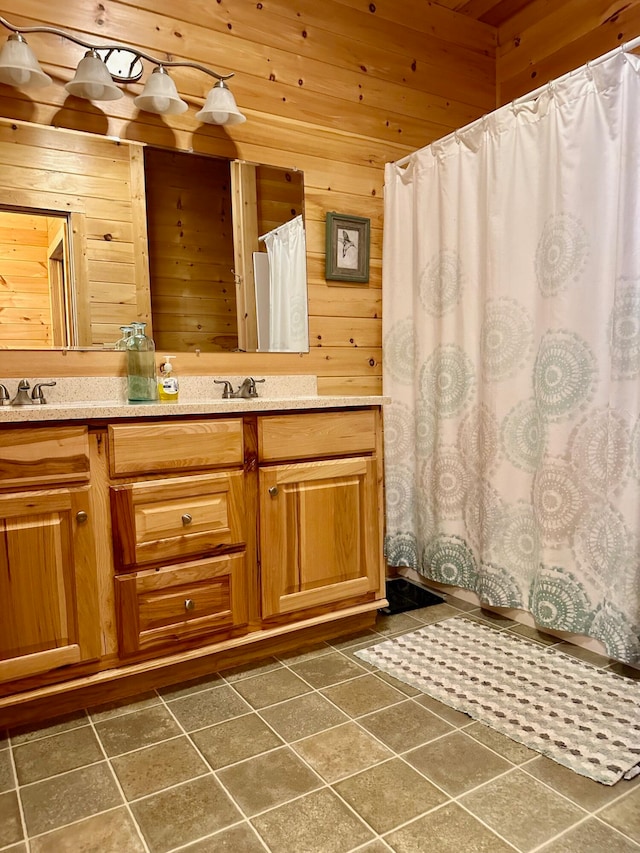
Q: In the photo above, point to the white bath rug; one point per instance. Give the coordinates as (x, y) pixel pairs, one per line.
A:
(585, 718)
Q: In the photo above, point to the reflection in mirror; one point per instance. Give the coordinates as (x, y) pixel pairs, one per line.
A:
(224, 254)
(36, 306)
(184, 262)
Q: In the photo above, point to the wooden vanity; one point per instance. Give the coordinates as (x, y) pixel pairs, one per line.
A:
(141, 550)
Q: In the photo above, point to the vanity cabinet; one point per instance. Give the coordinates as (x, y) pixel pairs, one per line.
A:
(179, 541)
(319, 527)
(143, 550)
(48, 588)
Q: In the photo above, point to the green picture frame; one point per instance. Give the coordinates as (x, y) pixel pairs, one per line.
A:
(347, 248)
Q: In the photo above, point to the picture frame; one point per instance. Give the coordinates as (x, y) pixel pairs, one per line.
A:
(347, 248)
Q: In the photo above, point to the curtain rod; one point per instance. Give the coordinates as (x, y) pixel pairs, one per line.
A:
(624, 48)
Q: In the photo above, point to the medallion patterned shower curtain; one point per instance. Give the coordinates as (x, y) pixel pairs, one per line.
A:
(511, 288)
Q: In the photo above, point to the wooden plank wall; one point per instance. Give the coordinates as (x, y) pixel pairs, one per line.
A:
(190, 233)
(333, 89)
(24, 280)
(90, 177)
(545, 40)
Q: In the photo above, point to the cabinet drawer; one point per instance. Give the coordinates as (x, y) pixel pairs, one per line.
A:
(157, 520)
(168, 446)
(309, 435)
(40, 456)
(156, 607)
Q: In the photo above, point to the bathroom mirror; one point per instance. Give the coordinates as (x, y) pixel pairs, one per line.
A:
(163, 236)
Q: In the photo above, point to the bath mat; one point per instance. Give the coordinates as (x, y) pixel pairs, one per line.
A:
(580, 716)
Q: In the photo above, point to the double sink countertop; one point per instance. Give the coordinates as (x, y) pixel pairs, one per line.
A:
(84, 398)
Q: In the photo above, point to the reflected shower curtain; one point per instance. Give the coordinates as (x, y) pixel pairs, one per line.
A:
(511, 286)
(288, 322)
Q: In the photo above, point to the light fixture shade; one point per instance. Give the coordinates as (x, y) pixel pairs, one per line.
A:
(160, 95)
(92, 80)
(18, 65)
(220, 107)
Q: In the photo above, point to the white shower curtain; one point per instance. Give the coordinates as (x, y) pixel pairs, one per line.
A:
(288, 323)
(511, 287)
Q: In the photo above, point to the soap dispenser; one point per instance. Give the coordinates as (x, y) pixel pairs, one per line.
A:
(167, 383)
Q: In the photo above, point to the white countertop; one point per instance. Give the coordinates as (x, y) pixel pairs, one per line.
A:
(111, 409)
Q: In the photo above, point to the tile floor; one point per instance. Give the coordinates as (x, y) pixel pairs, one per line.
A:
(310, 753)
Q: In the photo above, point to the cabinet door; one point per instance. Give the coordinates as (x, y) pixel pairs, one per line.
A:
(48, 592)
(319, 534)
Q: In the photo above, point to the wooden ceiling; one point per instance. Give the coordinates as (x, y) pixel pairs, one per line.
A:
(494, 12)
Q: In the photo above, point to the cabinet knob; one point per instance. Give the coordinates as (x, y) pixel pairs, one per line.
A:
(273, 491)
(187, 519)
(81, 517)
(189, 604)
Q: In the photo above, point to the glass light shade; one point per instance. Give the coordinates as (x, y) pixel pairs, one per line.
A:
(160, 95)
(18, 65)
(92, 80)
(220, 107)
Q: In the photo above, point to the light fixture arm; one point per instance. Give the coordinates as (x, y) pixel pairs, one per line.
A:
(106, 48)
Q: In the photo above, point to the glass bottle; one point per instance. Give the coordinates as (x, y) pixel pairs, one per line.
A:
(126, 334)
(142, 384)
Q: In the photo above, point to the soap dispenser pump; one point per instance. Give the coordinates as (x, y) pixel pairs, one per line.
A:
(167, 383)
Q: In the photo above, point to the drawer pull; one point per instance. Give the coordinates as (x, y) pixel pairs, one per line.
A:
(187, 519)
(189, 604)
(81, 517)
(273, 491)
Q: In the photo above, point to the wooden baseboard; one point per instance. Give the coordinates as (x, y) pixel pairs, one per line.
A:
(112, 685)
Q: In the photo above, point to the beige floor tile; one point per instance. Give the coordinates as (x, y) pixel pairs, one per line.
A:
(457, 763)
(272, 687)
(110, 832)
(400, 623)
(10, 823)
(341, 751)
(449, 830)
(534, 634)
(496, 620)
(184, 814)
(133, 731)
(16, 848)
(407, 689)
(377, 846)
(389, 794)
(435, 613)
(626, 670)
(583, 654)
(585, 792)
(124, 706)
(7, 776)
(625, 813)
(362, 695)
(303, 716)
(305, 653)
(237, 673)
(455, 718)
(591, 837)
(235, 740)
(38, 759)
(153, 768)
(513, 751)
(194, 685)
(239, 839)
(522, 810)
(268, 780)
(198, 710)
(328, 669)
(317, 823)
(404, 726)
(359, 639)
(72, 796)
(25, 734)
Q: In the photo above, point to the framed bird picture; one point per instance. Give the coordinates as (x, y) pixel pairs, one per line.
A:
(347, 249)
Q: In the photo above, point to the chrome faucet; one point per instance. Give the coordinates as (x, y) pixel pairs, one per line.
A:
(246, 391)
(4, 396)
(22, 397)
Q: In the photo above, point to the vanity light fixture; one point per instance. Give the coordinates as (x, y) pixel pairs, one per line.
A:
(104, 64)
